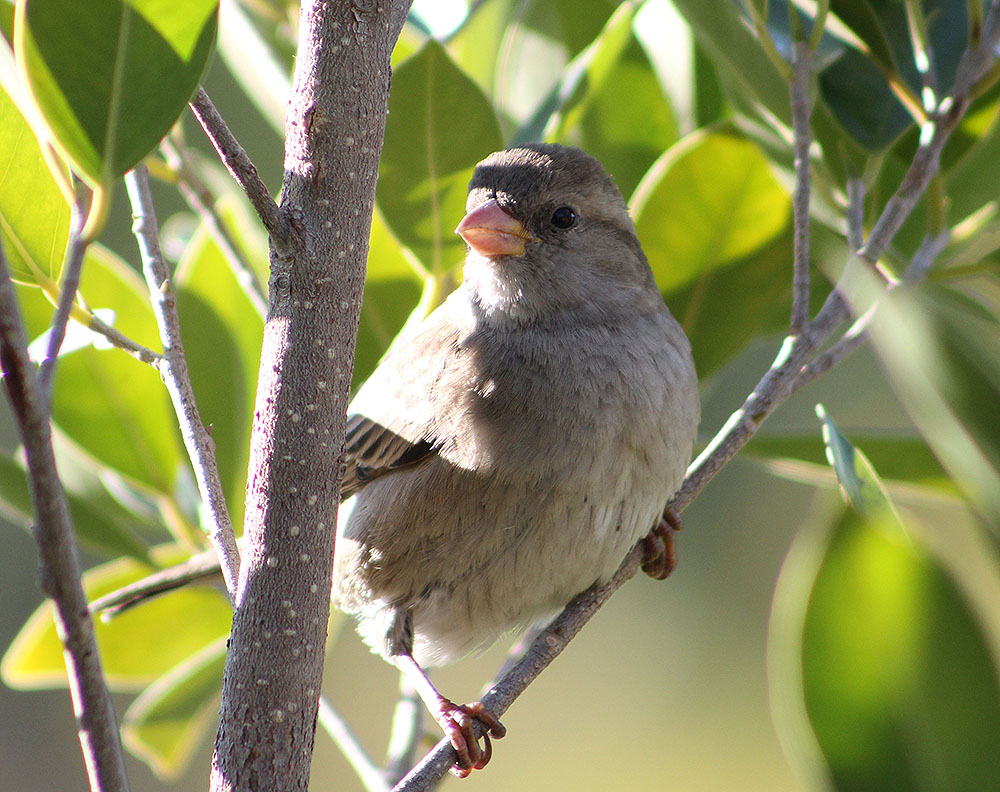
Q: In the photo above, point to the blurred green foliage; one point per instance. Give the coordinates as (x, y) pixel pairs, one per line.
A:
(882, 651)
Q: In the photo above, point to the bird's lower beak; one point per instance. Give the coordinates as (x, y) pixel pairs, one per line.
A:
(490, 231)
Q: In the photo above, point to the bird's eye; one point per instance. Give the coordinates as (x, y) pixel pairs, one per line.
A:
(564, 217)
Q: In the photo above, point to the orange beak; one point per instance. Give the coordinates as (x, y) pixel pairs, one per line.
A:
(490, 231)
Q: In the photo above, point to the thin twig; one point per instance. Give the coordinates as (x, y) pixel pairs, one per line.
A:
(923, 260)
(369, 774)
(123, 342)
(855, 214)
(973, 65)
(198, 567)
(856, 335)
(197, 196)
(853, 338)
(239, 164)
(173, 369)
(60, 576)
(799, 91)
(75, 250)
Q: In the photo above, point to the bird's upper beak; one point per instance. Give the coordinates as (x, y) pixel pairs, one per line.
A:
(490, 231)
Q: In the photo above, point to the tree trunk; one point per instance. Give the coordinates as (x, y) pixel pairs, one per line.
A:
(334, 132)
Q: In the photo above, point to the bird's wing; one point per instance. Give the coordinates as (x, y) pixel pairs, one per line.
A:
(373, 450)
(396, 418)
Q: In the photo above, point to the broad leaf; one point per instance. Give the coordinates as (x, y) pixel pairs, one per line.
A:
(112, 405)
(610, 103)
(135, 646)
(90, 67)
(440, 125)
(895, 667)
(34, 231)
(393, 289)
(222, 339)
(169, 720)
(708, 201)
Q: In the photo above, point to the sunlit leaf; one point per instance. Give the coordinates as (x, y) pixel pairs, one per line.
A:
(172, 717)
(214, 307)
(112, 405)
(708, 201)
(135, 646)
(899, 684)
(35, 231)
(610, 103)
(100, 523)
(440, 125)
(90, 67)
(392, 291)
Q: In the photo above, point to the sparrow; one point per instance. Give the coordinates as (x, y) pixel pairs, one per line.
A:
(510, 450)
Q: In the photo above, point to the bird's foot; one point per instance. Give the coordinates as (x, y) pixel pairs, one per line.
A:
(458, 722)
(659, 557)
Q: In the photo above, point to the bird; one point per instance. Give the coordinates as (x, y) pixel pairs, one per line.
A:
(509, 450)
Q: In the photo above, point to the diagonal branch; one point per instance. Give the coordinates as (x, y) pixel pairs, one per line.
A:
(799, 91)
(546, 647)
(60, 574)
(197, 196)
(173, 369)
(239, 164)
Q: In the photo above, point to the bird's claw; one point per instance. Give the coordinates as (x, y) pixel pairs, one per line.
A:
(458, 722)
(659, 557)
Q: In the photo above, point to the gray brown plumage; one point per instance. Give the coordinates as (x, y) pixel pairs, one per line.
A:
(509, 451)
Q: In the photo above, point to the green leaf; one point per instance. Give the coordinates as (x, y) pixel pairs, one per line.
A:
(610, 103)
(171, 718)
(899, 684)
(135, 646)
(858, 480)
(971, 183)
(222, 339)
(112, 405)
(100, 523)
(860, 99)
(708, 201)
(753, 81)
(573, 23)
(392, 292)
(35, 231)
(855, 87)
(939, 348)
(110, 77)
(477, 44)
(440, 125)
(900, 457)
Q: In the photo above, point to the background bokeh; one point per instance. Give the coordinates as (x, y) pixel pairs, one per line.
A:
(717, 678)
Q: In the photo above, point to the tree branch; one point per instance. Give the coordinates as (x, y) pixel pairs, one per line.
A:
(799, 94)
(75, 251)
(97, 726)
(235, 158)
(173, 369)
(334, 132)
(197, 196)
